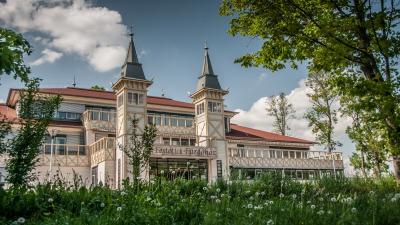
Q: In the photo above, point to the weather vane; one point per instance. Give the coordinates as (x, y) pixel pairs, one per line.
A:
(131, 33)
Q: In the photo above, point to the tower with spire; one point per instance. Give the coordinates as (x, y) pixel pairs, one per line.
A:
(209, 114)
(131, 92)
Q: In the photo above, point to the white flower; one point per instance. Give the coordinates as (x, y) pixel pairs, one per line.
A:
(320, 212)
(262, 193)
(162, 172)
(21, 220)
(270, 222)
(229, 182)
(123, 193)
(102, 205)
(329, 212)
(119, 208)
(312, 206)
(218, 190)
(204, 188)
(258, 207)
(50, 200)
(217, 200)
(321, 199)
(308, 202)
(353, 210)
(281, 195)
(393, 199)
(222, 195)
(249, 206)
(294, 196)
(213, 197)
(250, 214)
(251, 198)
(333, 199)
(257, 194)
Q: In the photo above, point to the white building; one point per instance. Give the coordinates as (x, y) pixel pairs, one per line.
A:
(194, 140)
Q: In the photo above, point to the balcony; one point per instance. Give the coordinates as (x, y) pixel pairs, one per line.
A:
(278, 158)
(102, 150)
(99, 120)
(64, 155)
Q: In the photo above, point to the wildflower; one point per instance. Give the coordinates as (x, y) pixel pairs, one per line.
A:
(329, 212)
(204, 188)
(257, 194)
(258, 207)
(119, 208)
(333, 199)
(21, 220)
(321, 199)
(312, 206)
(249, 206)
(251, 198)
(222, 195)
(393, 199)
(281, 195)
(270, 222)
(50, 200)
(283, 210)
(247, 192)
(213, 197)
(308, 202)
(294, 196)
(300, 205)
(162, 172)
(218, 190)
(263, 193)
(102, 205)
(158, 204)
(123, 193)
(217, 201)
(353, 210)
(250, 214)
(320, 212)
(229, 182)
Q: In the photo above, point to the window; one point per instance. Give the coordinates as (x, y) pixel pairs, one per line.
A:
(181, 122)
(200, 109)
(68, 116)
(174, 122)
(214, 107)
(185, 142)
(226, 124)
(150, 119)
(167, 141)
(175, 141)
(192, 142)
(60, 142)
(120, 100)
(157, 120)
(135, 98)
(189, 123)
(166, 121)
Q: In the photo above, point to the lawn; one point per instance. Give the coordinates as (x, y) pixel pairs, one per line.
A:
(267, 200)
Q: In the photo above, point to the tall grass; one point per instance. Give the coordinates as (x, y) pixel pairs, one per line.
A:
(268, 200)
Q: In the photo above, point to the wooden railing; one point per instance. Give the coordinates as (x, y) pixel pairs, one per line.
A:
(279, 158)
(99, 120)
(102, 150)
(64, 155)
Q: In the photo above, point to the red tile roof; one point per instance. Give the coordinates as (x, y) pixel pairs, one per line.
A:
(7, 112)
(240, 132)
(89, 93)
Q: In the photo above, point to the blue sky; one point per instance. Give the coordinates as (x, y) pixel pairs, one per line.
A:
(88, 40)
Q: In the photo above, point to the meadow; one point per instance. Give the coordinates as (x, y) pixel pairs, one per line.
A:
(269, 200)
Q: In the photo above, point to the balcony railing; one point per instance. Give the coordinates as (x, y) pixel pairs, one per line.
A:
(278, 158)
(64, 155)
(99, 120)
(102, 150)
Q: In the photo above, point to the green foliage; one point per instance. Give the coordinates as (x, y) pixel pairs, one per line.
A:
(322, 115)
(356, 40)
(139, 147)
(98, 88)
(5, 129)
(281, 111)
(35, 111)
(12, 49)
(268, 200)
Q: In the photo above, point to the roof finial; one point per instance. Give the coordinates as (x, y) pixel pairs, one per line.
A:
(205, 45)
(74, 84)
(131, 31)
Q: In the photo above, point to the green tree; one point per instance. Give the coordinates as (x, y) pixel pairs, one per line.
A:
(322, 116)
(139, 147)
(282, 111)
(35, 112)
(97, 88)
(13, 46)
(351, 38)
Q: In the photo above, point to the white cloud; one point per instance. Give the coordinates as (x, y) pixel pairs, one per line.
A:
(257, 117)
(48, 56)
(2, 100)
(72, 26)
(142, 53)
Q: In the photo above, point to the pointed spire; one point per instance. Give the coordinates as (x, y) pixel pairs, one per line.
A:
(131, 67)
(207, 68)
(207, 77)
(74, 83)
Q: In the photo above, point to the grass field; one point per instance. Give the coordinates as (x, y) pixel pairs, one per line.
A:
(268, 200)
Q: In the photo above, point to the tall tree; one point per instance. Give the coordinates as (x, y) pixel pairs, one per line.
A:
(13, 46)
(139, 147)
(35, 112)
(350, 37)
(282, 111)
(322, 116)
(98, 88)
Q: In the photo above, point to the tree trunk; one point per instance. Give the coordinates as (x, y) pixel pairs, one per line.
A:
(396, 167)
(363, 165)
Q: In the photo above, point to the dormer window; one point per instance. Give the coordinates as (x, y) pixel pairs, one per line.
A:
(135, 98)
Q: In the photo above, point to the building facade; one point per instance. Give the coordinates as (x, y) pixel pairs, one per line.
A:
(194, 140)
